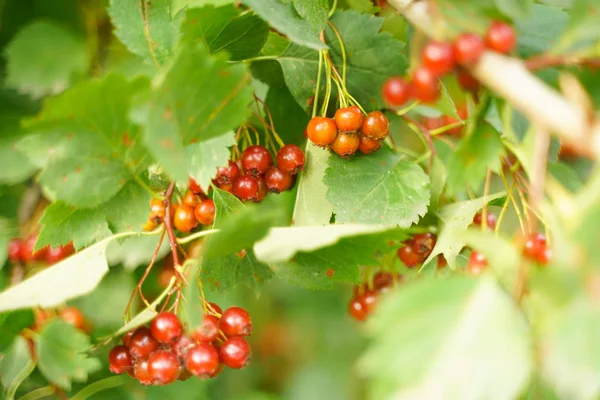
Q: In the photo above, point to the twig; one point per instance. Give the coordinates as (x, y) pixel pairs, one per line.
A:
(551, 60)
(427, 136)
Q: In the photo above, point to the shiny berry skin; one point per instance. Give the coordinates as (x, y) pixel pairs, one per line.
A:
(119, 359)
(423, 243)
(202, 360)
(141, 372)
(356, 309)
(382, 279)
(500, 37)
(348, 119)
(190, 199)
(345, 144)
(321, 131)
(246, 188)
(27, 253)
(290, 158)
(59, 253)
(408, 256)
(477, 263)
(425, 85)
(208, 330)
(468, 48)
(205, 212)
(157, 210)
(141, 343)
(166, 327)
(235, 352)
(256, 160)
(14, 250)
(263, 190)
(126, 339)
(369, 300)
(235, 321)
(184, 219)
(213, 308)
(491, 220)
(163, 367)
(368, 145)
(194, 187)
(73, 316)
(375, 126)
(438, 57)
(228, 174)
(396, 91)
(536, 248)
(150, 225)
(467, 81)
(228, 187)
(278, 180)
(433, 123)
(182, 345)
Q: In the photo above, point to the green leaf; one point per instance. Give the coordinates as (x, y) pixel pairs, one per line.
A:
(223, 28)
(178, 5)
(289, 117)
(468, 340)
(315, 12)
(226, 206)
(204, 158)
(193, 309)
(15, 366)
(31, 59)
(285, 19)
(8, 230)
(363, 6)
(16, 166)
(475, 155)
(224, 273)
(60, 348)
(11, 325)
(83, 136)
(566, 175)
(378, 188)
(181, 113)
(312, 207)
(514, 9)
(456, 219)
(70, 278)
(373, 56)
(61, 223)
(582, 29)
(146, 28)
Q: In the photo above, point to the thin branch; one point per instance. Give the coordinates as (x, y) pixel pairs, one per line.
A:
(427, 134)
(551, 60)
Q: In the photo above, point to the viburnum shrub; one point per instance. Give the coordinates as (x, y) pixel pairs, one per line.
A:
(299, 199)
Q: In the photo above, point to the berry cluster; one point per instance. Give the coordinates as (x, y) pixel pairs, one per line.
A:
(162, 353)
(416, 250)
(433, 123)
(349, 131)
(536, 248)
(440, 58)
(367, 295)
(21, 251)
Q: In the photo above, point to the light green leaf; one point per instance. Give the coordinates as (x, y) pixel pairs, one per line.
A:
(224, 273)
(378, 188)
(178, 5)
(468, 340)
(8, 230)
(181, 113)
(15, 366)
(583, 26)
(456, 219)
(541, 30)
(315, 12)
(15, 165)
(226, 206)
(204, 158)
(514, 9)
(146, 28)
(285, 19)
(60, 348)
(31, 59)
(193, 310)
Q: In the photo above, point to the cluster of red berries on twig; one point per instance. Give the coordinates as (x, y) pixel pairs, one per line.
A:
(415, 251)
(349, 131)
(162, 353)
(441, 58)
(22, 251)
(367, 295)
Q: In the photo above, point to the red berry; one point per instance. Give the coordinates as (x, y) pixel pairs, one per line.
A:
(396, 91)
(263, 190)
(235, 321)
(423, 243)
(59, 253)
(163, 367)
(184, 218)
(228, 187)
(213, 308)
(205, 212)
(438, 58)
(477, 263)
(408, 256)
(141, 343)
(468, 48)
(190, 199)
(375, 126)
(202, 360)
(345, 144)
(119, 359)
(500, 37)
(256, 160)
(321, 131)
(181, 346)
(368, 145)
(166, 327)
(369, 300)
(73, 316)
(14, 250)
(235, 352)
(278, 180)
(426, 86)
(382, 279)
(27, 253)
(126, 339)
(536, 248)
(356, 309)
(449, 120)
(290, 158)
(208, 330)
(227, 175)
(467, 81)
(194, 187)
(348, 119)
(157, 209)
(491, 220)
(246, 188)
(433, 123)
(141, 372)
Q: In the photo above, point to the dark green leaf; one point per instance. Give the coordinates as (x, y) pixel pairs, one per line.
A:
(15, 366)
(11, 325)
(60, 348)
(514, 8)
(8, 230)
(204, 158)
(289, 118)
(226, 272)
(315, 12)
(378, 188)
(540, 31)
